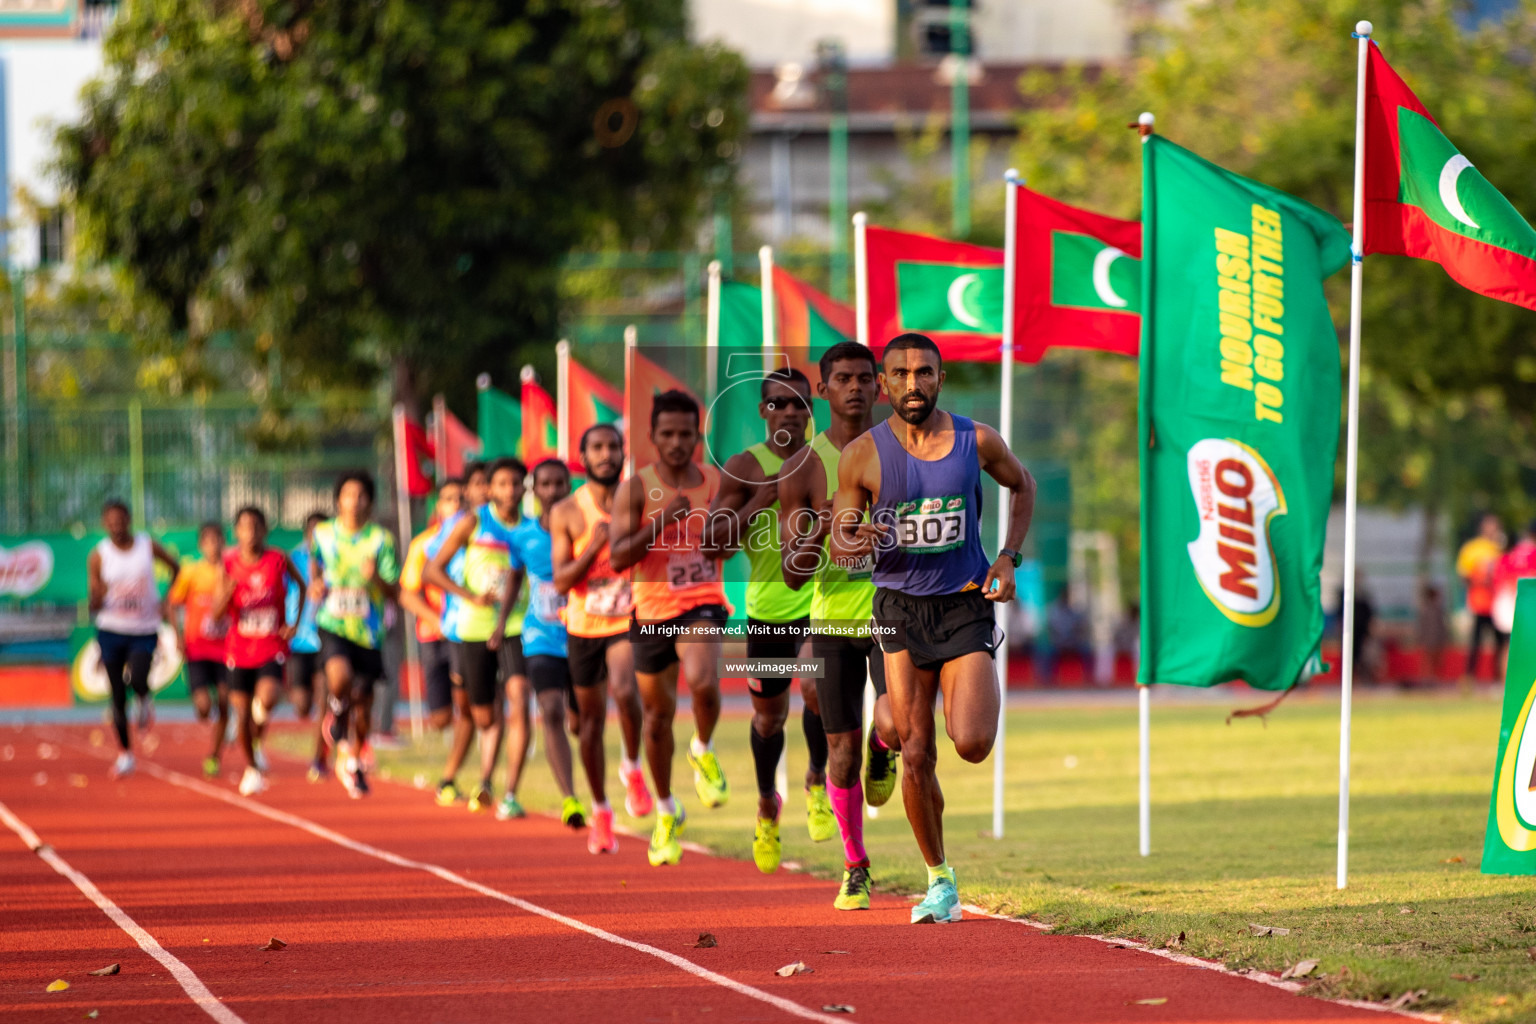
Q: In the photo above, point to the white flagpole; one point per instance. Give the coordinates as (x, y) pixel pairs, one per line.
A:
(861, 277)
(1011, 183)
(631, 340)
(563, 400)
(770, 331)
(1351, 457)
(403, 518)
(711, 337)
(1144, 693)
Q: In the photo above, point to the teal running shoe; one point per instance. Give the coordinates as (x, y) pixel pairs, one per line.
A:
(940, 906)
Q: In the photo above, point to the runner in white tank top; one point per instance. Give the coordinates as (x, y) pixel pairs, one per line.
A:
(126, 605)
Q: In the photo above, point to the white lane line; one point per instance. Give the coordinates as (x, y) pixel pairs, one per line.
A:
(321, 832)
(190, 982)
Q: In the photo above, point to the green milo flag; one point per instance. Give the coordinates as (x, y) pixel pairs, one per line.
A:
(1239, 423)
(1509, 845)
(500, 419)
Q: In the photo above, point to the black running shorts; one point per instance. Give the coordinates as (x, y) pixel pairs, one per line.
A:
(934, 629)
(588, 657)
(482, 671)
(547, 672)
(438, 683)
(847, 662)
(204, 673)
(779, 641)
(302, 666)
(367, 662)
(655, 643)
(243, 680)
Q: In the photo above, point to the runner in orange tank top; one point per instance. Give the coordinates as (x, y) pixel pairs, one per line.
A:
(597, 614)
(660, 527)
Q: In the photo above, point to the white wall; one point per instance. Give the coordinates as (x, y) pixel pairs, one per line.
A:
(1021, 30)
(770, 32)
(43, 79)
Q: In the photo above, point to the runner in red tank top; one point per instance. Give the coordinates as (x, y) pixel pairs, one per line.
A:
(255, 599)
(660, 527)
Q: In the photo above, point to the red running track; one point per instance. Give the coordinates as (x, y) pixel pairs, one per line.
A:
(396, 910)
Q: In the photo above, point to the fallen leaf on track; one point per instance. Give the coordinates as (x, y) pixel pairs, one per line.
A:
(57, 986)
(1408, 999)
(47, 752)
(790, 970)
(93, 1015)
(107, 970)
(97, 738)
(706, 941)
(837, 1008)
(1405, 910)
(1177, 942)
(1452, 860)
(79, 781)
(1267, 929)
(273, 944)
(1156, 1001)
(835, 952)
(1300, 969)
(1465, 977)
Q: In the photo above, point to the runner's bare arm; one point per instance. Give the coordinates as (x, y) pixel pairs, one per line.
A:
(95, 586)
(858, 487)
(802, 520)
(435, 572)
(739, 499)
(508, 598)
(166, 558)
(1004, 467)
(566, 522)
(413, 601)
(632, 535)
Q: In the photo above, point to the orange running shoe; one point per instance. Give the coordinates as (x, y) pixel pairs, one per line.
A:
(600, 838)
(637, 796)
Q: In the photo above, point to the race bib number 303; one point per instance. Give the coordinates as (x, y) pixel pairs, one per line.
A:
(931, 525)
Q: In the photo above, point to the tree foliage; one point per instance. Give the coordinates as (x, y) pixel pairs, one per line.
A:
(388, 183)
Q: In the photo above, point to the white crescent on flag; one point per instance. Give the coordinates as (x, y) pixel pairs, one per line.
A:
(1102, 261)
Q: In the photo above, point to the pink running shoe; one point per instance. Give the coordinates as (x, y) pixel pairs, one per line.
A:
(637, 796)
(600, 838)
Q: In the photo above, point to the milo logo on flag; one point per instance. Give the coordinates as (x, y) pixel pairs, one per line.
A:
(26, 568)
(1236, 495)
(1089, 274)
(950, 297)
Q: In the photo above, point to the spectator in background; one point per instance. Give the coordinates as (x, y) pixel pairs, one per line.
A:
(1518, 563)
(1128, 635)
(1365, 617)
(1431, 628)
(1477, 563)
(1066, 632)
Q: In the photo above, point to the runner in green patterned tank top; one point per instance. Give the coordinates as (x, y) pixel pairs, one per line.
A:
(840, 615)
(778, 622)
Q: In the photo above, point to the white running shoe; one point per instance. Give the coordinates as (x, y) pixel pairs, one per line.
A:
(124, 765)
(252, 782)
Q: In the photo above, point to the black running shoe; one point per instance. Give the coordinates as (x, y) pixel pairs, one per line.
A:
(361, 781)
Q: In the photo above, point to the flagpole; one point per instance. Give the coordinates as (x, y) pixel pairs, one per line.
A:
(1351, 456)
(631, 340)
(1144, 127)
(861, 277)
(403, 520)
(563, 400)
(711, 336)
(439, 437)
(1011, 183)
(765, 267)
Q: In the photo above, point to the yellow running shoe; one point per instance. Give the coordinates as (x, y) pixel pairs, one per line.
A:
(880, 774)
(854, 892)
(572, 814)
(447, 795)
(708, 780)
(820, 821)
(767, 848)
(481, 800)
(665, 847)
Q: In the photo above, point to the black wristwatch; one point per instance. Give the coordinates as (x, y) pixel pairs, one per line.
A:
(1012, 556)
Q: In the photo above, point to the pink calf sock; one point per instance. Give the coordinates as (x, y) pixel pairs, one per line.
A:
(849, 806)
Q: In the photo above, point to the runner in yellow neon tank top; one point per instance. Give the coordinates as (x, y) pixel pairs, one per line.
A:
(840, 612)
(778, 617)
(660, 527)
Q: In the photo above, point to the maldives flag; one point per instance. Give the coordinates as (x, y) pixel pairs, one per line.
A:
(501, 424)
(589, 400)
(1424, 199)
(539, 437)
(1078, 279)
(950, 291)
(418, 451)
(454, 443)
(643, 381)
